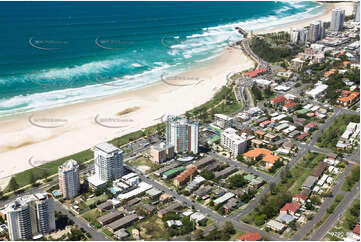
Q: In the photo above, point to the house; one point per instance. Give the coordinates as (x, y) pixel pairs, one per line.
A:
(176, 223)
(288, 145)
(121, 234)
(289, 107)
(269, 160)
(230, 205)
(256, 143)
(165, 197)
(290, 208)
(356, 230)
(309, 182)
(185, 176)
(309, 127)
(122, 223)
(270, 137)
(197, 217)
(169, 208)
(276, 226)
(319, 169)
(223, 198)
(202, 191)
(302, 136)
(285, 218)
(153, 193)
(250, 237)
(278, 101)
(259, 133)
(300, 198)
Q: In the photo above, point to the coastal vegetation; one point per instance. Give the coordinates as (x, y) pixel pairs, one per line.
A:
(352, 178)
(268, 49)
(331, 136)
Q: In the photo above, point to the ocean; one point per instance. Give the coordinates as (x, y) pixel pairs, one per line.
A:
(58, 53)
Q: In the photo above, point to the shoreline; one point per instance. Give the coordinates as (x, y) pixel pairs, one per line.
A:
(65, 126)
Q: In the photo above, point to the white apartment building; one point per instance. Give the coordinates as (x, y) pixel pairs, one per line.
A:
(108, 163)
(223, 121)
(317, 91)
(233, 142)
(30, 216)
(182, 134)
(69, 180)
(337, 19)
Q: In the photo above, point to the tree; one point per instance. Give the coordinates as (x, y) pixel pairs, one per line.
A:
(32, 178)
(13, 185)
(260, 219)
(207, 174)
(237, 181)
(229, 228)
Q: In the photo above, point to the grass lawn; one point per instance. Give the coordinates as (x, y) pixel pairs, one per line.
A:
(331, 136)
(142, 161)
(43, 171)
(94, 200)
(92, 215)
(236, 235)
(153, 229)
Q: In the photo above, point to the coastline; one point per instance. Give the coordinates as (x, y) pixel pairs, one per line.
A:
(77, 129)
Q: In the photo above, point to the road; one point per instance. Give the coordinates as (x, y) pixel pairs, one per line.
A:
(241, 166)
(96, 236)
(323, 208)
(335, 216)
(205, 210)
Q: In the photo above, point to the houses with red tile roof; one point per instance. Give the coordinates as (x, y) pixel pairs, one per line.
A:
(300, 198)
(250, 237)
(309, 127)
(290, 208)
(289, 106)
(278, 100)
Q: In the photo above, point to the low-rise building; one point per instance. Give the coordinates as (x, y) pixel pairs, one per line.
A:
(276, 226)
(223, 121)
(250, 237)
(122, 223)
(223, 198)
(290, 208)
(185, 176)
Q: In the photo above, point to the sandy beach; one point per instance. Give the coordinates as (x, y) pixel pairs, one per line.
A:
(324, 16)
(51, 134)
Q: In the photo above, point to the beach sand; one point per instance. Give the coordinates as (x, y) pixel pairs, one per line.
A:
(55, 133)
(73, 128)
(324, 16)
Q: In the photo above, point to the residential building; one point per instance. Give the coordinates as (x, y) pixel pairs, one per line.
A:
(290, 208)
(263, 155)
(185, 176)
(223, 121)
(69, 180)
(337, 19)
(223, 198)
(317, 90)
(182, 134)
(250, 237)
(233, 142)
(108, 163)
(276, 226)
(348, 98)
(30, 216)
(161, 152)
(294, 35)
(122, 223)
